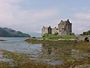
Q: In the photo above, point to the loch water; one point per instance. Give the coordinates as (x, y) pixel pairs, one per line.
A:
(44, 53)
(37, 52)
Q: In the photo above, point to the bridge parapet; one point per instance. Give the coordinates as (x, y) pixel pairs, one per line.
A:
(83, 37)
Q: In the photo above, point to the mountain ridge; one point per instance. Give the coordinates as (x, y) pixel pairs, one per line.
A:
(8, 32)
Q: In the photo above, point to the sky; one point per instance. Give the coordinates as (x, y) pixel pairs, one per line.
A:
(31, 15)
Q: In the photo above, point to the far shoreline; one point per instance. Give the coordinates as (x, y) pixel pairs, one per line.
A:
(37, 41)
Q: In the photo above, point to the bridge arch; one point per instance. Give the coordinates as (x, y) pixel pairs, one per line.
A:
(86, 39)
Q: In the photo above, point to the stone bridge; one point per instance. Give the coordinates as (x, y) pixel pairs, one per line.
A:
(83, 37)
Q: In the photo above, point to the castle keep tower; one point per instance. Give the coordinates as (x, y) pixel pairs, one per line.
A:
(64, 28)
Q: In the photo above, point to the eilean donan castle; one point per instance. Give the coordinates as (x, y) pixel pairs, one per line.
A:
(64, 28)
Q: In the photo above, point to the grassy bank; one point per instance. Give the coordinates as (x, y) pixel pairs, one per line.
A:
(50, 38)
(36, 41)
(58, 37)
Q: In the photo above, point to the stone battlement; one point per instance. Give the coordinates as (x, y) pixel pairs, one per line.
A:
(64, 28)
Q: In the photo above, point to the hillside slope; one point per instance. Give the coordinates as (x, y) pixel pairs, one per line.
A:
(8, 32)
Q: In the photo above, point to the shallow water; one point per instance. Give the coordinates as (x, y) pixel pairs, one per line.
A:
(19, 45)
(44, 53)
(37, 52)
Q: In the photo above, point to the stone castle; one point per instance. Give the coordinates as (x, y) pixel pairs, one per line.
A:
(64, 28)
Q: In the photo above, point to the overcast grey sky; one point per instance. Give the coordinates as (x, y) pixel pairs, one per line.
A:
(30, 15)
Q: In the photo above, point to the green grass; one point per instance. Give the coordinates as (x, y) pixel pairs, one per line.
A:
(57, 37)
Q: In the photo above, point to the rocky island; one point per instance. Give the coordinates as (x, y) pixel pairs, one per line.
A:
(62, 33)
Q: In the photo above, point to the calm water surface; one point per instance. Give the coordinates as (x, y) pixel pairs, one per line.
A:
(37, 52)
(47, 53)
(19, 45)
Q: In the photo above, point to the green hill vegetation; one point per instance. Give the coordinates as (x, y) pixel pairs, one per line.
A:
(8, 32)
(58, 37)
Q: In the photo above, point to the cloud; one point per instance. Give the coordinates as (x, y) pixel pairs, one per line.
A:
(34, 16)
(11, 15)
(81, 22)
(33, 19)
(7, 8)
(84, 16)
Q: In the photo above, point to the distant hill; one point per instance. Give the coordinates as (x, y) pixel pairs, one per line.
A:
(35, 34)
(8, 32)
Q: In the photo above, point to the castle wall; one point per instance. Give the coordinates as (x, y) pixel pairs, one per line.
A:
(64, 28)
(44, 30)
(55, 30)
